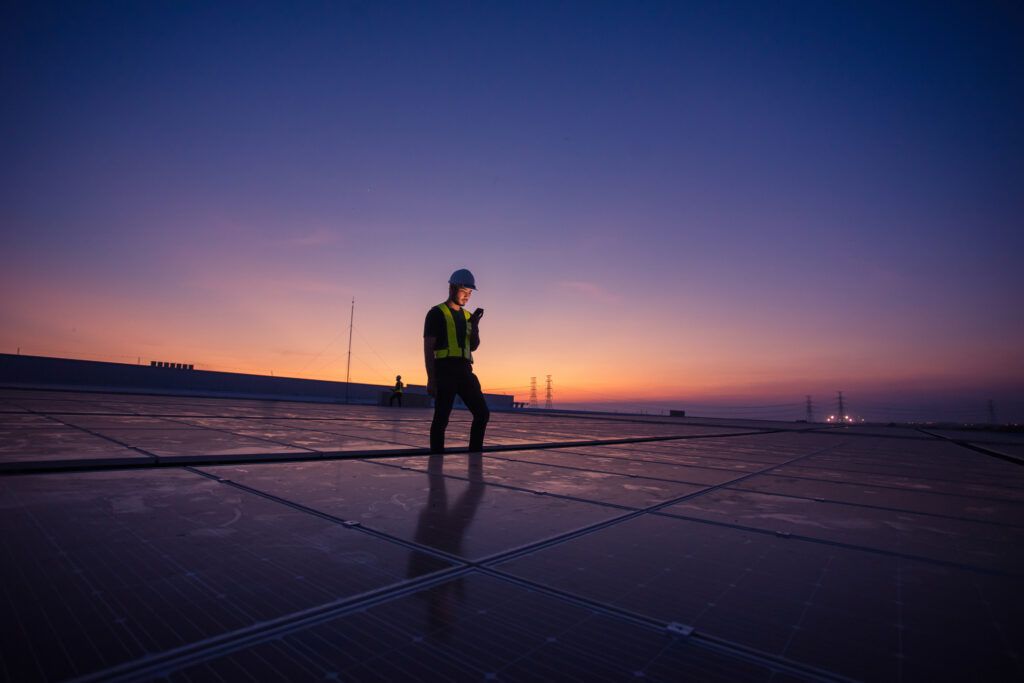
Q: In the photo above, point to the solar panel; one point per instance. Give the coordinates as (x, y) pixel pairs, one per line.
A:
(201, 538)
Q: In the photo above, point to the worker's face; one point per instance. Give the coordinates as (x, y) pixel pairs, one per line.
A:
(461, 296)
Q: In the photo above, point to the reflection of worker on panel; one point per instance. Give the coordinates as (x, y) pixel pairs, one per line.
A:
(450, 335)
(396, 392)
(443, 528)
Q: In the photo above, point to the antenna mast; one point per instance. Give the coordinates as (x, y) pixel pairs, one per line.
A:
(348, 367)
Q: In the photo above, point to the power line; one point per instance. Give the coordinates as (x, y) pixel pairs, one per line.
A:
(387, 364)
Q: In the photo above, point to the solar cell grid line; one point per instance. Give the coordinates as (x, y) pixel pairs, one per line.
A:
(923, 467)
(159, 664)
(560, 630)
(965, 504)
(288, 443)
(890, 433)
(141, 451)
(530, 548)
(665, 601)
(775, 662)
(1008, 641)
(250, 436)
(478, 637)
(40, 575)
(513, 487)
(357, 526)
(423, 430)
(729, 450)
(363, 436)
(894, 486)
(900, 625)
(940, 462)
(827, 472)
(841, 544)
(42, 612)
(685, 459)
(126, 585)
(593, 469)
(976, 447)
(807, 605)
(869, 506)
(264, 457)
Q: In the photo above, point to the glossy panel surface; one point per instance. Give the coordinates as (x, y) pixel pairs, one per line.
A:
(459, 514)
(860, 614)
(107, 567)
(477, 628)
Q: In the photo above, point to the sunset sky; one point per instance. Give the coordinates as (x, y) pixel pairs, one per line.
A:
(664, 203)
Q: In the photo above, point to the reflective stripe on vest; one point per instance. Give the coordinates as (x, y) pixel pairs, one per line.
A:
(453, 350)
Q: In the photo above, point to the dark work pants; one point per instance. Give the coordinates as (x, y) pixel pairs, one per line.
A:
(394, 395)
(451, 378)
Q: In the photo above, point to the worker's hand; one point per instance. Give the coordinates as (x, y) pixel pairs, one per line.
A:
(477, 314)
(431, 390)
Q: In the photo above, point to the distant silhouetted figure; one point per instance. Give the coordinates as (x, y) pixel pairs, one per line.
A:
(450, 335)
(396, 392)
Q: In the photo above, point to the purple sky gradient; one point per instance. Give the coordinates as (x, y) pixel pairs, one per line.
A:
(766, 199)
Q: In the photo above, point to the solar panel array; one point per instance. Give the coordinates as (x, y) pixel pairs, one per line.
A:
(212, 539)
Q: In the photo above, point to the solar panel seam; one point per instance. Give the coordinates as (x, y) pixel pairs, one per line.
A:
(348, 524)
(637, 476)
(916, 478)
(248, 436)
(98, 435)
(163, 663)
(323, 418)
(642, 477)
(362, 437)
(51, 466)
(389, 537)
(610, 418)
(904, 489)
(324, 431)
(749, 475)
(879, 507)
(697, 637)
(191, 654)
(975, 447)
(845, 432)
(930, 467)
(839, 544)
(539, 545)
(513, 487)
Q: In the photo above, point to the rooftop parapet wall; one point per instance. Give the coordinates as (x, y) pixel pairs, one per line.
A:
(40, 372)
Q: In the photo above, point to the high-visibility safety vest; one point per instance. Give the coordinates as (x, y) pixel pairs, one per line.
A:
(453, 350)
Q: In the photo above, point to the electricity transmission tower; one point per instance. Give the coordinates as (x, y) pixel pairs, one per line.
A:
(991, 412)
(842, 409)
(547, 397)
(810, 410)
(533, 392)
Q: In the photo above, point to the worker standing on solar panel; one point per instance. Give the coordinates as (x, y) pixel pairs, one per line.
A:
(396, 392)
(450, 335)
